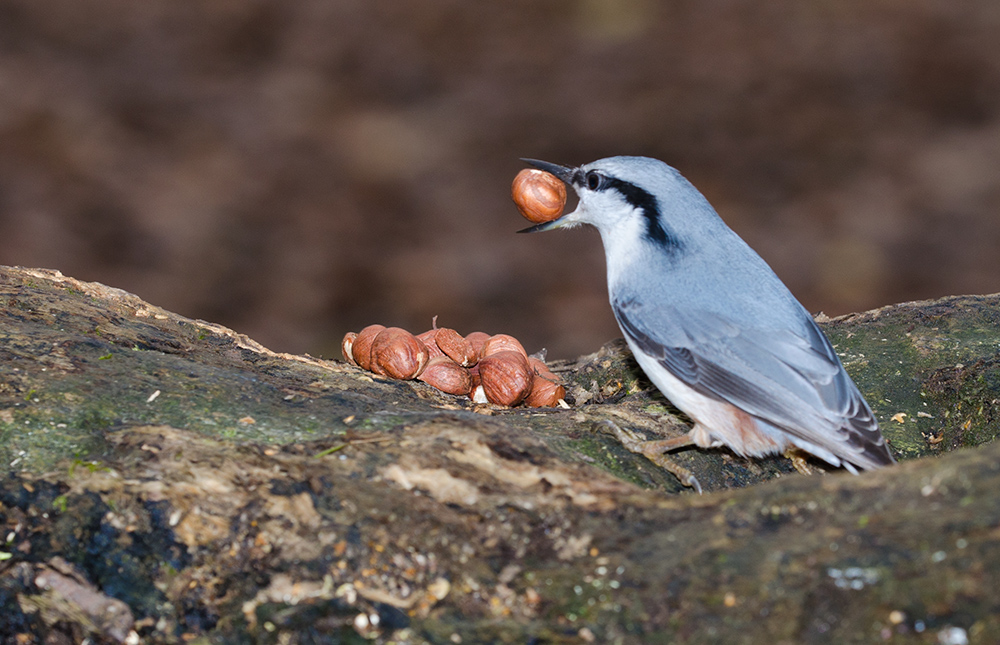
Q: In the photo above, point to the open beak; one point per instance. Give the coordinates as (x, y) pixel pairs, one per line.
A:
(565, 173)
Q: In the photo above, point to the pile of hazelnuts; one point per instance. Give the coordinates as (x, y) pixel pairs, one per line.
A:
(487, 369)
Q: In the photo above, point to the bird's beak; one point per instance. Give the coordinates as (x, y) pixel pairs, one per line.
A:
(565, 173)
(562, 172)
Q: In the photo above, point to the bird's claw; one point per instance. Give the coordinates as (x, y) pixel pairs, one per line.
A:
(691, 481)
(799, 461)
(654, 451)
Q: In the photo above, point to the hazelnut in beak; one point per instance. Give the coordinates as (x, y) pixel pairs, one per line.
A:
(540, 196)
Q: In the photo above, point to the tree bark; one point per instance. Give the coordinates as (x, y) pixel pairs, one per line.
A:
(171, 479)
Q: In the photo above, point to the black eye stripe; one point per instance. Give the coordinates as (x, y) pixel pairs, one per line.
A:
(639, 198)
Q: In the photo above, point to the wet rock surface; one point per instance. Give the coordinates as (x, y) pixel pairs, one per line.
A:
(169, 479)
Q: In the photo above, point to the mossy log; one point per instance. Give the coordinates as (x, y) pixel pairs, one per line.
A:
(170, 480)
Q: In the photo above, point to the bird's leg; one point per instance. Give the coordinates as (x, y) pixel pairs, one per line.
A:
(799, 462)
(654, 451)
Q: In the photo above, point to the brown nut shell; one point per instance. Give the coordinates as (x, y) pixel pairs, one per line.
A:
(345, 347)
(546, 387)
(539, 367)
(477, 339)
(398, 354)
(455, 347)
(545, 393)
(447, 375)
(427, 338)
(501, 343)
(506, 377)
(539, 195)
(361, 348)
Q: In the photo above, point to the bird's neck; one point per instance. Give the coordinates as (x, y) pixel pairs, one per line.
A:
(627, 256)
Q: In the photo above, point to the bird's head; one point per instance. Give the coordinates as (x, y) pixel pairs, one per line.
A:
(624, 198)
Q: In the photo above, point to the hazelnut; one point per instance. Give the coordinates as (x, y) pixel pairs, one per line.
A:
(361, 348)
(398, 354)
(345, 347)
(501, 343)
(540, 196)
(478, 395)
(447, 375)
(455, 347)
(546, 389)
(505, 377)
(544, 393)
(539, 367)
(427, 338)
(476, 339)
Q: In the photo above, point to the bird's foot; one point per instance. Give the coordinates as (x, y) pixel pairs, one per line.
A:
(799, 460)
(654, 451)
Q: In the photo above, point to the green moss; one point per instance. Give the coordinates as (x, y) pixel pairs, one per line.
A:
(928, 370)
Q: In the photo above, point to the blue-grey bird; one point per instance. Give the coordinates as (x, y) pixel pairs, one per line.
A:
(711, 324)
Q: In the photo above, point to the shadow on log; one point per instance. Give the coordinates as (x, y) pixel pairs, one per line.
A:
(168, 479)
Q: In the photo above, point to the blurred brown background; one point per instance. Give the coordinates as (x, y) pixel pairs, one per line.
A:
(295, 170)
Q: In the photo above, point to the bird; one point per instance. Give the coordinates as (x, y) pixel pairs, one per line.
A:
(712, 325)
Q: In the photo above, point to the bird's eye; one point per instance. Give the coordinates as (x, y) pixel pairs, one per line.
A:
(594, 180)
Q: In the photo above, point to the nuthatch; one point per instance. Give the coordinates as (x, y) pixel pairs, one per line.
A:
(711, 324)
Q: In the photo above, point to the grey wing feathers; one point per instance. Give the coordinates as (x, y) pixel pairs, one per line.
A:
(794, 382)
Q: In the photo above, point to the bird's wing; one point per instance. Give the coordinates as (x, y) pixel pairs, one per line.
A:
(793, 381)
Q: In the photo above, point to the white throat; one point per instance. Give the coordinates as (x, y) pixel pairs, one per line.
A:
(624, 244)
